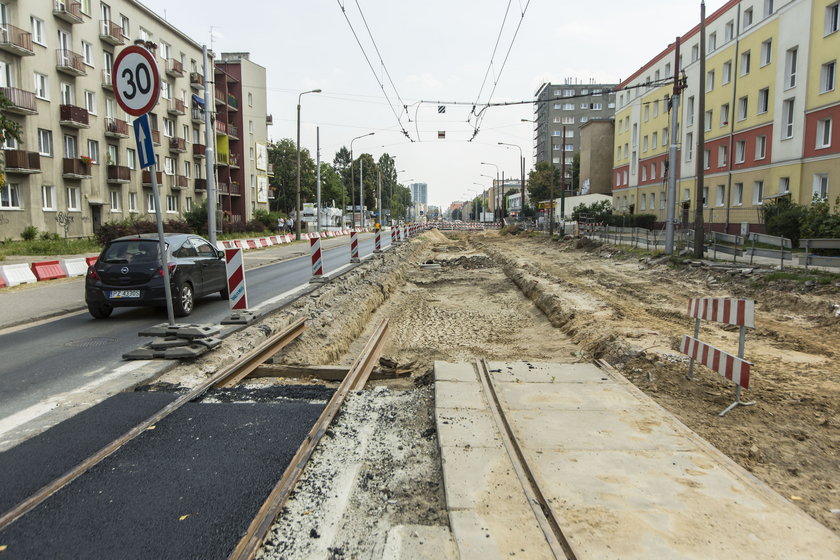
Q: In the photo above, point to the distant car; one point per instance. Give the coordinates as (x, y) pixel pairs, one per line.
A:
(128, 273)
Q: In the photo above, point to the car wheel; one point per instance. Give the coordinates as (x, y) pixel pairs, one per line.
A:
(102, 311)
(185, 300)
(224, 293)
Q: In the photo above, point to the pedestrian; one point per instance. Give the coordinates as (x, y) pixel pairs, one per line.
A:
(290, 225)
(280, 224)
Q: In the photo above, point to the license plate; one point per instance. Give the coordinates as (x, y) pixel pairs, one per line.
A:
(120, 294)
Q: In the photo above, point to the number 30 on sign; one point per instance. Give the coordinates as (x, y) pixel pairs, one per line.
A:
(136, 80)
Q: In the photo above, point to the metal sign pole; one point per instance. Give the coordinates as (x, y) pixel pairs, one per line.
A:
(164, 264)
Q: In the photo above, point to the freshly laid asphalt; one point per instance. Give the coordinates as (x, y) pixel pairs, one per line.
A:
(186, 488)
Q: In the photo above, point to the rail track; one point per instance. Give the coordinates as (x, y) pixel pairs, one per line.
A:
(225, 378)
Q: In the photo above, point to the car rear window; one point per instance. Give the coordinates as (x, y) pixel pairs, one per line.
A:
(131, 251)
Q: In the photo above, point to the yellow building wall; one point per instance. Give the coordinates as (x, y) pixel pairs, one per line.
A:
(758, 77)
(824, 48)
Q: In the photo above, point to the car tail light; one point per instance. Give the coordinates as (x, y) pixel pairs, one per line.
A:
(92, 274)
(172, 268)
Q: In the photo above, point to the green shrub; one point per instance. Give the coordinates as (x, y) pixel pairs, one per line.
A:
(820, 222)
(197, 218)
(595, 212)
(784, 218)
(136, 226)
(267, 219)
(47, 236)
(29, 233)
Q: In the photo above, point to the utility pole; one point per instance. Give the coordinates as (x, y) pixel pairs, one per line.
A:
(522, 190)
(209, 158)
(362, 190)
(318, 179)
(701, 140)
(379, 195)
(563, 188)
(673, 163)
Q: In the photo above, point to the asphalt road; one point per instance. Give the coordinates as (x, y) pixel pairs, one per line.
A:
(74, 351)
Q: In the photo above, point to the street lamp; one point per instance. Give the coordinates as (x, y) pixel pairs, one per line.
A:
(522, 180)
(297, 189)
(353, 178)
(495, 192)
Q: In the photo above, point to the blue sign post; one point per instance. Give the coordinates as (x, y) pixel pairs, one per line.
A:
(143, 136)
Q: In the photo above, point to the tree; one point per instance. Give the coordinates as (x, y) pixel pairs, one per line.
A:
(332, 187)
(388, 169)
(283, 155)
(9, 130)
(541, 180)
(341, 163)
(576, 172)
(367, 173)
(400, 200)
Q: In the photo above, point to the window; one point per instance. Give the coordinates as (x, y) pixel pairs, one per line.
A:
(597, 106)
(768, 7)
(67, 94)
(112, 156)
(707, 122)
(108, 63)
(187, 168)
(748, 17)
(661, 200)
(93, 150)
(169, 166)
(643, 203)
(41, 91)
(647, 113)
(568, 148)
(568, 106)
(70, 151)
(45, 142)
(695, 53)
(652, 201)
(87, 53)
(724, 114)
(165, 89)
(726, 75)
(760, 147)
(707, 159)
(728, 31)
(656, 108)
(10, 196)
(720, 195)
(723, 152)
(832, 19)
(168, 128)
(567, 120)
(689, 146)
(689, 111)
(618, 153)
(745, 63)
(132, 202)
(644, 173)
(653, 170)
(47, 197)
(645, 143)
(37, 30)
(710, 80)
(790, 68)
(150, 202)
(784, 185)
(787, 118)
(824, 133)
(126, 26)
(584, 119)
(763, 101)
(74, 198)
(654, 140)
(664, 137)
(171, 204)
(758, 192)
(740, 151)
(705, 196)
(130, 158)
(115, 201)
(737, 194)
(686, 194)
(820, 185)
(668, 69)
(743, 103)
(188, 205)
(90, 102)
(828, 75)
(570, 134)
(85, 7)
(712, 42)
(766, 52)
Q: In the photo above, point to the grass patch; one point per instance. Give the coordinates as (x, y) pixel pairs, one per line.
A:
(818, 278)
(48, 247)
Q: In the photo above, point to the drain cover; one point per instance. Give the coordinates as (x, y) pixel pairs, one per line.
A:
(92, 342)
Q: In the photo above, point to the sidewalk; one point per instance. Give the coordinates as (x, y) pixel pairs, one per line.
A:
(28, 303)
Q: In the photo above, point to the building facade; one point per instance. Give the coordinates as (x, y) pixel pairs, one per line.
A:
(770, 124)
(571, 105)
(76, 166)
(419, 193)
(597, 137)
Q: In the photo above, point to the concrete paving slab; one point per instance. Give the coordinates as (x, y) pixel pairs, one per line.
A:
(454, 394)
(445, 371)
(465, 427)
(480, 477)
(541, 372)
(487, 535)
(573, 396)
(419, 542)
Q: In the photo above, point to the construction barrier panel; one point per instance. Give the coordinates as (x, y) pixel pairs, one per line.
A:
(237, 294)
(354, 247)
(315, 249)
(47, 270)
(74, 267)
(377, 243)
(731, 367)
(91, 260)
(15, 274)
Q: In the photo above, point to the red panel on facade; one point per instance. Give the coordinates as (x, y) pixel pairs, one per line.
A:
(812, 130)
(750, 139)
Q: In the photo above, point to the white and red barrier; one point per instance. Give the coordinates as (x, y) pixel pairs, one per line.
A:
(354, 246)
(317, 266)
(740, 312)
(377, 241)
(237, 294)
(731, 367)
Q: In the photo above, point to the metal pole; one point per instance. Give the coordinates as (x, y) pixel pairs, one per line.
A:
(563, 178)
(673, 163)
(209, 158)
(362, 191)
(379, 195)
(352, 188)
(164, 264)
(318, 179)
(701, 141)
(297, 188)
(522, 188)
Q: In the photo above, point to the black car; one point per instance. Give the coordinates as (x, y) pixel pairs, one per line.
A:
(128, 273)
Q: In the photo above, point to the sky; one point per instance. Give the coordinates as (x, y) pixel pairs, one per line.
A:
(456, 53)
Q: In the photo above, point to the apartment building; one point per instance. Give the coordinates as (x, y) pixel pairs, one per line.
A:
(770, 123)
(571, 105)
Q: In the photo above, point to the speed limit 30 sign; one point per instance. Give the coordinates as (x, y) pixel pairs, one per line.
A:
(136, 80)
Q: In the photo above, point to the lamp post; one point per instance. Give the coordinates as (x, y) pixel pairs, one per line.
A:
(353, 177)
(297, 189)
(522, 176)
(495, 193)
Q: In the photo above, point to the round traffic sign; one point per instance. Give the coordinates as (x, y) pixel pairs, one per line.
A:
(136, 80)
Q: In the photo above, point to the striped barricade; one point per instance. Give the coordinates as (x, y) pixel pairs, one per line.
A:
(237, 294)
(317, 265)
(377, 241)
(736, 312)
(354, 247)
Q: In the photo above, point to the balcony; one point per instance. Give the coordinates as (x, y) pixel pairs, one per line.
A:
(106, 80)
(222, 159)
(174, 68)
(232, 102)
(23, 102)
(116, 128)
(235, 189)
(156, 137)
(15, 40)
(221, 127)
(196, 116)
(178, 145)
(221, 187)
(196, 80)
(110, 32)
(22, 162)
(219, 96)
(74, 168)
(176, 107)
(71, 12)
(200, 185)
(178, 182)
(232, 131)
(234, 160)
(199, 150)
(70, 63)
(119, 174)
(72, 116)
(147, 178)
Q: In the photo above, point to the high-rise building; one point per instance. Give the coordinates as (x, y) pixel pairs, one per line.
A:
(772, 108)
(419, 193)
(76, 163)
(571, 105)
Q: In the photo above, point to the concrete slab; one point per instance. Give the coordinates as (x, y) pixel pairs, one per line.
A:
(565, 396)
(419, 542)
(541, 372)
(488, 535)
(466, 427)
(455, 372)
(453, 394)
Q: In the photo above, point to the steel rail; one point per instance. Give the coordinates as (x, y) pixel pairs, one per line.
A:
(267, 514)
(560, 547)
(251, 360)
